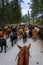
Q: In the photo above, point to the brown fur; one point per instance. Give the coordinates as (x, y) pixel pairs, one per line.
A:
(8, 31)
(34, 33)
(19, 32)
(23, 56)
(1, 34)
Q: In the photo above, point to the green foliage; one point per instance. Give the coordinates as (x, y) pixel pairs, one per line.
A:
(40, 21)
(11, 12)
(36, 8)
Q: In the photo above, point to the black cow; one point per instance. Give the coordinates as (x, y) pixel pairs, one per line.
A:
(31, 27)
(41, 33)
(24, 37)
(14, 29)
(3, 43)
(13, 37)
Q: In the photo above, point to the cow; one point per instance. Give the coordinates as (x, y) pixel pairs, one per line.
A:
(24, 37)
(27, 32)
(35, 33)
(31, 27)
(19, 32)
(30, 33)
(23, 55)
(1, 33)
(13, 38)
(3, 43)
(41, 33)
(7, 31)
(14, 29)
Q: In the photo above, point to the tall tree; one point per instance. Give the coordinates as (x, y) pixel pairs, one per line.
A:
(34, 8)
(10, 12)
(28, 16)
(17, 11)
(3, 18)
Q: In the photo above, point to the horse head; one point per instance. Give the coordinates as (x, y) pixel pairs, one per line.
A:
(23, 55)
(28, 47)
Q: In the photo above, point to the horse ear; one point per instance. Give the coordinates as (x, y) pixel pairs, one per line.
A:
(19, 46)
(29, 46)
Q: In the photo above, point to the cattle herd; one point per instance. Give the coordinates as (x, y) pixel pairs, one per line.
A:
(15, 32)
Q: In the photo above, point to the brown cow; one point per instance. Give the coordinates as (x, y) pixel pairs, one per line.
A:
(35, 33)
(8, 32)
(23, 55)
(1, 34)
(19, 32)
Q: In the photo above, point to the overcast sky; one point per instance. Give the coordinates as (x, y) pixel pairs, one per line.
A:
(25, 7)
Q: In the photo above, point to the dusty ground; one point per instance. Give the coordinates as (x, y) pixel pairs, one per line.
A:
(36, 52)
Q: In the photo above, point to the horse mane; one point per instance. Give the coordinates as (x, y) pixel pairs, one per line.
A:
(23, 56)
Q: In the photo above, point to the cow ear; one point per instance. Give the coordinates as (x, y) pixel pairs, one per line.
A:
(29, 46)
(19, 46)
